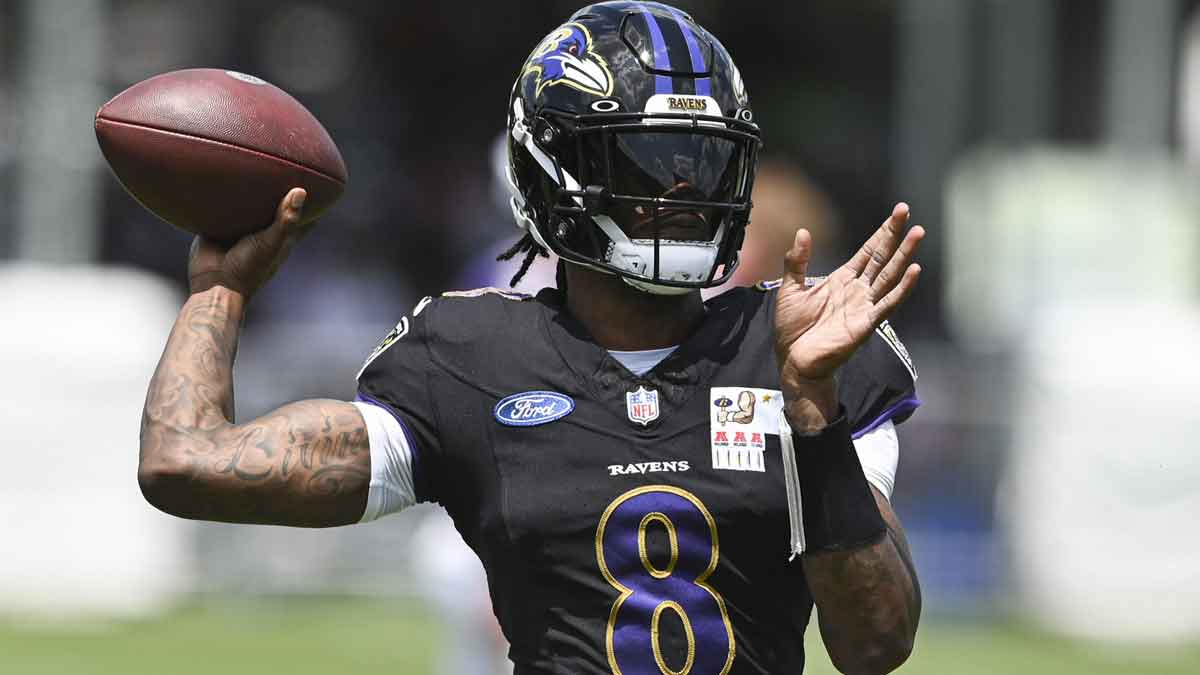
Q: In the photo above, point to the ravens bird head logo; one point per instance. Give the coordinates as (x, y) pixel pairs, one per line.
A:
(566, 57)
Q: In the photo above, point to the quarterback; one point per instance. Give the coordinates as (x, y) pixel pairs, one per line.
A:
(654, 483)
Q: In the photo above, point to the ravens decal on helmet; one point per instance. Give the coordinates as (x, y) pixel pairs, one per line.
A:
(566, 57)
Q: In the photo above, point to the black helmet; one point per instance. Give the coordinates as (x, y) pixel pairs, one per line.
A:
(631, 113)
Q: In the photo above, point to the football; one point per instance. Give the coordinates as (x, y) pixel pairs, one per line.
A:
(213, 151)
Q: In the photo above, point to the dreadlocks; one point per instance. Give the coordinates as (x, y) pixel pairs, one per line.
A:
(529, 246)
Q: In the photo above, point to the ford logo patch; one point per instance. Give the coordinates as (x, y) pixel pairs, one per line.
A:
(532, 408)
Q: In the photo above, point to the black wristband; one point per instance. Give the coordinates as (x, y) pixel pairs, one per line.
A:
(840, 512)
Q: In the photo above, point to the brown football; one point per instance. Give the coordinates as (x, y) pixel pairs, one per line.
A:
(213, 151)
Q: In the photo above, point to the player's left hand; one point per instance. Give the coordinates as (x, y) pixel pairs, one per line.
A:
(818, 327)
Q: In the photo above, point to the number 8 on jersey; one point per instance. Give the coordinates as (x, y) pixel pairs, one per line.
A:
(647, 591)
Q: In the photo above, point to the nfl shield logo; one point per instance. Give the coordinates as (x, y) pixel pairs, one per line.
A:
(642, 405)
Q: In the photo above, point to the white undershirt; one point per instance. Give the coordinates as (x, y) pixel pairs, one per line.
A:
(643, 361)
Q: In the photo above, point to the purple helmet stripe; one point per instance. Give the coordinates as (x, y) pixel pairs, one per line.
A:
(703, 84)
(662, 61)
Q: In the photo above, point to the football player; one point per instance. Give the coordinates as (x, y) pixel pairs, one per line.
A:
(654, 484)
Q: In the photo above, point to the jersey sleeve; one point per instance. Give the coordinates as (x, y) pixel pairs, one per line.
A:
(879, 383)
(396, 379)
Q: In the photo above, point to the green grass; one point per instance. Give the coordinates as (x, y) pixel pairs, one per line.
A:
(352, 637)
(290, 637)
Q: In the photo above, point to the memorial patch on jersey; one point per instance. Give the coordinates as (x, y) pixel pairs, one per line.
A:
(642, 405)
(740, 420)
(531, 408)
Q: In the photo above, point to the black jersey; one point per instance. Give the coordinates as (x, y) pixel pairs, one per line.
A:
(628, 524)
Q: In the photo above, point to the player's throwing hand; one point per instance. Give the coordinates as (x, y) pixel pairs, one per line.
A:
(818, 327)
(248, 263)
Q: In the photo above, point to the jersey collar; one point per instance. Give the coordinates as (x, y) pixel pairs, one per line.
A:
(716, 341)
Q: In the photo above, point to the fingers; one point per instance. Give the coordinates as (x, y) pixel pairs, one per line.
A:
(878, 250)
(286, 227)
(889, 303)
(291, 207)
(795, 263)
(892, 272)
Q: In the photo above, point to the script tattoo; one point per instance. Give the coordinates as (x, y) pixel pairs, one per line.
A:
(305, 464)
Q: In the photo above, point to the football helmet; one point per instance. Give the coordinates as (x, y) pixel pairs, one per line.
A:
(632, 147)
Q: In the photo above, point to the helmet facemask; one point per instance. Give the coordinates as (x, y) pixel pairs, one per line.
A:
(660, 199)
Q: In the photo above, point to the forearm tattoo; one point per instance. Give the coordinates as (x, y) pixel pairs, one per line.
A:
(305, 464)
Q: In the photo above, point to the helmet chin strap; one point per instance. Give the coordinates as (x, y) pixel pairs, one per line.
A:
(677, 260)
(688, 261)
(656, 289)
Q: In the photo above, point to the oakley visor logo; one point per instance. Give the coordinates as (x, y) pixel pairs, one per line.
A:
(532, 408)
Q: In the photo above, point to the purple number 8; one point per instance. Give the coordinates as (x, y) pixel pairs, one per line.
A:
(647, 591)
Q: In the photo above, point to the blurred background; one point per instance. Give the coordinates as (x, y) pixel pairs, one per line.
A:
(1049, 483)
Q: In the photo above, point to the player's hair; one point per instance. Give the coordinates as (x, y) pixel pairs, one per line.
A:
(529, 246)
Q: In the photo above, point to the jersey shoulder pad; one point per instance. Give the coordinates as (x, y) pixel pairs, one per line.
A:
(454, 326)
(402, 328)
(461, 330)
(481, 315)
(878, 383)
(487, 290)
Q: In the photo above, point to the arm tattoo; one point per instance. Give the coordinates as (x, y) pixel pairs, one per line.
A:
(305, 464)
